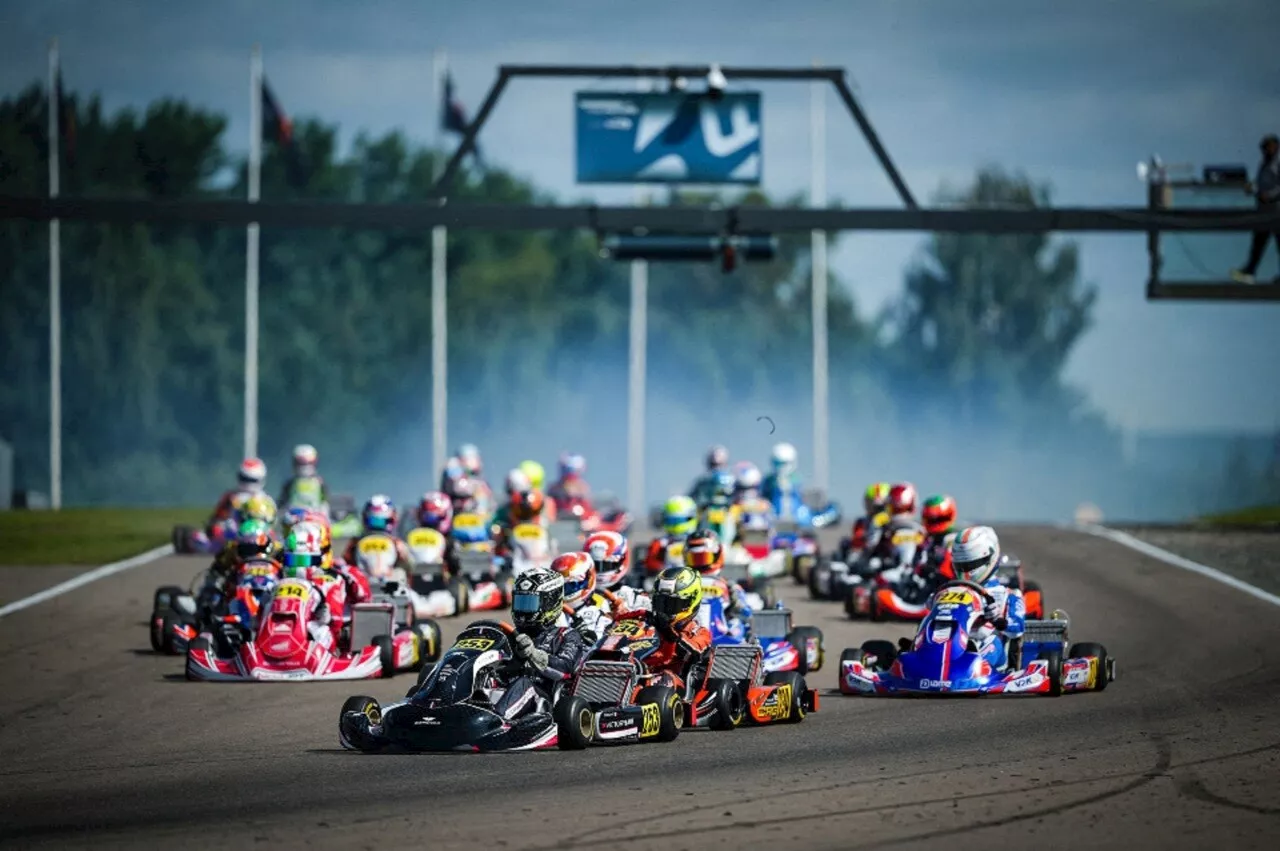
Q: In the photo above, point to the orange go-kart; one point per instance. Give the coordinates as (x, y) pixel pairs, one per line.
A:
(616, 698)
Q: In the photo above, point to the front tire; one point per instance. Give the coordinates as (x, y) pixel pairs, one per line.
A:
(729, 704)
(358, 714)
(798, 689)
(1054, 658)
(670, 708)
(800, 638)
(429, 633)
(1106, 665)
(575, 723)
(386, 654)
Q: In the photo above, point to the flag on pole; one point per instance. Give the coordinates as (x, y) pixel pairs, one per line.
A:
(277, 128)
(453, 117)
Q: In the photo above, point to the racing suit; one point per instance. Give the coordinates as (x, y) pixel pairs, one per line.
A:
(779, 490)
(1004, 619)
(288, 492)
(703, 489)
(630, 599)
(404, 558)
(227, 505)
(678, 651)
(735, 603)
(569, 490)
(222, 572)
(657, 555)
(451, 564)
(550, 656)
(595, 614)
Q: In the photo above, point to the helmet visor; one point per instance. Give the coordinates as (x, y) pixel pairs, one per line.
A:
(251, 549)
(976, 566)
(572, 589)
(668, 606)
(525, 604)
(377, 522)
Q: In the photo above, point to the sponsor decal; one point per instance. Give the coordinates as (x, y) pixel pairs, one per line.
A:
(1084, 673)
(528, 532)
(1023, 683)
(633, 628)
(777, 706)
(427, 721)
(296, 590)
(467, 521)
(375, 544)
(282, 675)
(651, 720)
(425, 538)
(935, 684)
(958, 597)
(473, 644)
(615, 724)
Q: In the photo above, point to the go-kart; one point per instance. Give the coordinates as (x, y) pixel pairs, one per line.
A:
(617, 699)
(441, 594)
(479, 564)
(528, 545)
(944, 660)
(188, 540)
(282, 648)
(179, 614)
(765, 555)
(784, 648)
(579, 516)
(451, 708)
(884, 586)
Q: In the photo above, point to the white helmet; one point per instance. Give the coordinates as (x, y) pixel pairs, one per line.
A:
(784, 458)
(747, 477)
(518, 482)
(252, 474)
(304, 459)
(975, 554)
(469, 455)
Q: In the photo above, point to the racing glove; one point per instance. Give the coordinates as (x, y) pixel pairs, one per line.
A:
(527, 650)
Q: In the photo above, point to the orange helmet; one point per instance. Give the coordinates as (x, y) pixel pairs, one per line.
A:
(703, 552)
(939, 514)
(579, 572)
(526, 506)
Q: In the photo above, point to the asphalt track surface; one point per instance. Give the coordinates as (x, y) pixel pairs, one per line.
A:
(105, 745)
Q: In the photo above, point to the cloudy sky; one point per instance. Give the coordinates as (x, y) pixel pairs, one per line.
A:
(1073, 93)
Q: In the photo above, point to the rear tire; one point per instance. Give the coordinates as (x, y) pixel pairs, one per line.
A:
(164, 596)
(386, 654)
(575, 723)
(461, 592)
(800, 638)
(170, 622)
(1105, 663)
(798, 689)
(181, 539)
(429, 632)
(670, 708)
(729, 704)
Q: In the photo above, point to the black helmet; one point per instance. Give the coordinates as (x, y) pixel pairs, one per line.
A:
(538, 598)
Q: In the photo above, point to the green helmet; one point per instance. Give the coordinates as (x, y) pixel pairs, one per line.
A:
(253, 526)
(679, 516)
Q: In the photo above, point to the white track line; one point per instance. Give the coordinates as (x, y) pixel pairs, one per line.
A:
(1175, 560)
(85, 578)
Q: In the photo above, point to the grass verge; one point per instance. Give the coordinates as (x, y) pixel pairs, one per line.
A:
(87, 535)
(1264, 515)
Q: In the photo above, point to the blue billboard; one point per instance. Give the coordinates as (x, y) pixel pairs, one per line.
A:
(668, 137)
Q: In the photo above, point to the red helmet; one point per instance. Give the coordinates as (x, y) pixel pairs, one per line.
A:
(939, 514)
(527, 506)
(703, 552)
(902, 498)
(463, 493)
(612, 555)
(435, 511)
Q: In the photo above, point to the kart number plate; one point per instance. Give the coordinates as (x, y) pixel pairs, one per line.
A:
(293, 589)
(528, 532)
(426, 538)
(630, 629)
(650, 720)
(957, 597)
(468, 521)
(904, 537)
(370, 546)
(473, 644)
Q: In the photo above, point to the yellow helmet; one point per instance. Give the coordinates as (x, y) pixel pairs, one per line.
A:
(260, 506)
(677, 594)
(533, 470)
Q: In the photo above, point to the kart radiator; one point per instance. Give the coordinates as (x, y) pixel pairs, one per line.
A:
(605, 682)
(735, 661)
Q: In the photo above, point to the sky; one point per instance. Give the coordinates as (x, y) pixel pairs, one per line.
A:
(1073, 94)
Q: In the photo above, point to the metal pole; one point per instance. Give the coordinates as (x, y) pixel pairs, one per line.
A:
(636, 383)
(818, 193)
(251, 259)
(439, 295)
(55, 291)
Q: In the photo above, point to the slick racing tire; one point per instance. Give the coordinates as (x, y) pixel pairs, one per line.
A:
(729, 705)
(1054, 658)
(800, 638)
(877, 653)
(575, 723)
(386, 654)
(461, 592)
(170, 622)
(353, 724)
(815, 588)
(798, 689)
(182, 539)
(1106, 665)
(164, 597)
(429, 649)
(670, 708)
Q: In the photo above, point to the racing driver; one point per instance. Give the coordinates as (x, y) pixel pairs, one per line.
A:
(549, 653)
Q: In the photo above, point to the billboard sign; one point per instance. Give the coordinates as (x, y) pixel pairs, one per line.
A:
(668, 137)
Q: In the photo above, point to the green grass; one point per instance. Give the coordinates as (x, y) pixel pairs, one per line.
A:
(1263, 515)
(88, 535)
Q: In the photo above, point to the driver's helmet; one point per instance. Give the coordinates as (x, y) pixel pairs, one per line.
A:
(939, 514)
(303, 551)
(876, 498)
(679, 516)
(902, 498)
(717, 458)
(757, 515)
(254, 541)
(783, 459)
(292, 517)
(435, 511)
(252, 475)
(379, 514)
(453, 469)
(260, 506)
(975, 554)
(305, 458)
(527, 506)
(462, 493)
(704, 553)
(317, 519)
(611, 553)
(722, 487)
(746, 480)
(579, 572)
(572, 465)
(537, 598)
(517, 482)
(534, 473)
(469, 456)
(677, 594)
